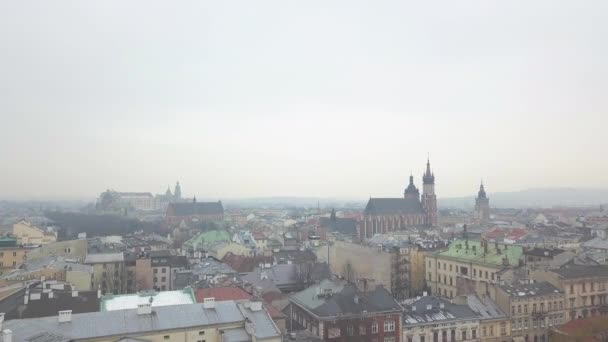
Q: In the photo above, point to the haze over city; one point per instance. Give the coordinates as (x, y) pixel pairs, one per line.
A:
(293, 98)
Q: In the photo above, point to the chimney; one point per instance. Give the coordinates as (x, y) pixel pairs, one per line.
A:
(209, 303)
(413, 307)
(144, 308)
(424, 294)
(1, 320)
(356, 298)
(65, 316)
(441, 305)
(51, 295)
(7, 335)
(98, 293)
(26, 298)
(74, 293)
(429, 307)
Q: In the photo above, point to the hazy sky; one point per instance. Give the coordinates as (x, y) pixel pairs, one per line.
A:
(304, 98)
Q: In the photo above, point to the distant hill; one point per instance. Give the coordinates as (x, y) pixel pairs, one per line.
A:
(541, 197)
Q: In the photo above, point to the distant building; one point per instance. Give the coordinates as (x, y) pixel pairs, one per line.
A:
(340, 312)
(194, 213)
(384, 215)
(28, 234)
(110, 272)
(482, 205)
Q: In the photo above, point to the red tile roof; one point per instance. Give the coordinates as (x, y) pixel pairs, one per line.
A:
(222, 293)
(241, 263)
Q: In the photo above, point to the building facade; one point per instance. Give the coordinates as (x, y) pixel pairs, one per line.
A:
(193, 213)
(340, 312)
(384, 215)
(534, 309)
(28, 234)
(470, 266)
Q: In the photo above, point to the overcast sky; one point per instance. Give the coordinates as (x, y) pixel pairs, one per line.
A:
(301, 98)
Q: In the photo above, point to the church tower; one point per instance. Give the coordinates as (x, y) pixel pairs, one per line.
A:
(411, 191)
(178, 191)
(429, 199)
(482, 205)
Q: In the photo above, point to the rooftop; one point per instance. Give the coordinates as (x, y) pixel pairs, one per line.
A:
(582, 271)
(128, 323)
(430, 309)
(328, 299)
(530, 290)
(164, 298)
(544, 252)
(103, 258)
(475, 253)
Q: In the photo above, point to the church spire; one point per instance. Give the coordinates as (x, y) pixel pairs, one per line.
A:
(429, 176)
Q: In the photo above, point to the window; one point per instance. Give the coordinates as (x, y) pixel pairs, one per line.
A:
(430, 265)
(201, 333)
(453, 335)
(14, 263)
(333, 332)
(519, 308)
(534, 307)
(14, 254)
(166, 337)
(163, 279)
(389, 325)
(450, 267)
(451, 281)
(473, 331)
(155, 279)
(571, 288)
(486, 274)
(484, 332)
(474, 273)
(463, 334)
(164, 270)
(389, 339)
(491, 330)
(592, 287)
(584, 288)
(410, 339)
(375, 327)
(503, 329)
(525, 308)
(421, 338)
(155, 270)
(350, 330)
(513, 310)
(430, 277)
(435, 336)
(534, 325)
(561, 305)
(362, 330)
(1, 254)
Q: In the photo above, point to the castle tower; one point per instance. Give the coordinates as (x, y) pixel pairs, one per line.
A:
(429, 199)
(178, 191)
(482, 205)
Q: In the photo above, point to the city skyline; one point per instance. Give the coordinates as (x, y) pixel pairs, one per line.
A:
(285, 99)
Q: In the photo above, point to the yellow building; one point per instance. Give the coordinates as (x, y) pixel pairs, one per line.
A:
(534, 309)
(585, 288)
(11, 258)
(76, 249)
(210, 322)
(28, 234)
(470, 266)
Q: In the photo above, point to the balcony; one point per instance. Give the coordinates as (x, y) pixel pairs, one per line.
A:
(538, 313)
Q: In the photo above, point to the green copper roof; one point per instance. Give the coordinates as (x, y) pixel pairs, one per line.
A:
(209, 237)
(475, 253)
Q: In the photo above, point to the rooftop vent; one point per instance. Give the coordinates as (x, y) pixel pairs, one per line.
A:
(413, 307)
(65, 316)
(441, 305)
(429, 307)
(144, 308)
(7, 335)
(209, 303)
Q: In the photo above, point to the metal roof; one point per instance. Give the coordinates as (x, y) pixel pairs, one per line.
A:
(128, 322)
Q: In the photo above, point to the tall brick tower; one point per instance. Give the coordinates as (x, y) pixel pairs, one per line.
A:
(428, 198)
